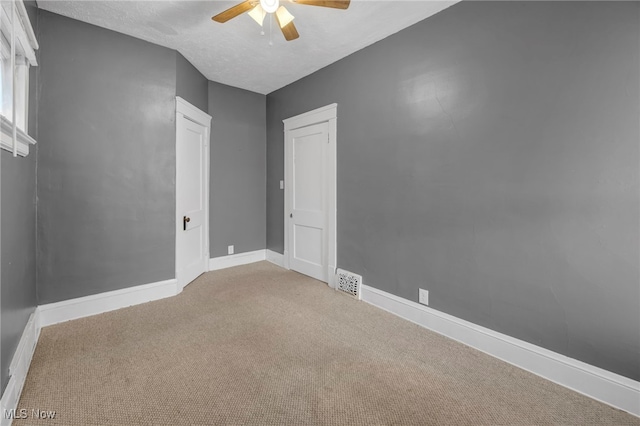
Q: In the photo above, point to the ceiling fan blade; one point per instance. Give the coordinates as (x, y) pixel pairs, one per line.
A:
(289, 31)
(234, 11)
(335, 4)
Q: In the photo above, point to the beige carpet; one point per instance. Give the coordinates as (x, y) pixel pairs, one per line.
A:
(258, 345)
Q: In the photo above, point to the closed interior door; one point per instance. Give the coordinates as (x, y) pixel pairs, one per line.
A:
(191, 174)
(308, 217)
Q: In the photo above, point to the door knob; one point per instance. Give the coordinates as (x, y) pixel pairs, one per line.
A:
(185, 220)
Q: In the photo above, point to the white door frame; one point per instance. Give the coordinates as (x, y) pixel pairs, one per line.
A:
(188, 111)
(329, 115)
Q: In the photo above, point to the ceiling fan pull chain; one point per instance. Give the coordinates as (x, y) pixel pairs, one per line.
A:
(271, 29)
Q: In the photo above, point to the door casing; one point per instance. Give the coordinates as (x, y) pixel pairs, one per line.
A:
(324, 114)
(188, 111)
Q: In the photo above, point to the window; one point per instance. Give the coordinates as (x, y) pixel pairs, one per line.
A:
(17, 53)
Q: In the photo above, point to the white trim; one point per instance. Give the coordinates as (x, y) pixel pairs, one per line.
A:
(26, 24)
(605, 386)
(318, 115)
(23, 140)
(332, 194)
(54, 313)
(23, 31)
(332, 273)
(19, 368)
(238, 259)
(190, 112)
(275, 258)
(329, 115)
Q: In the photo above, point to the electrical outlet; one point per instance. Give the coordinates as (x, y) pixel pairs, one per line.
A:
(230, 250)
(281, 184)
(423, 296)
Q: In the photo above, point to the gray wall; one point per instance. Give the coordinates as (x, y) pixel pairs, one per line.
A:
(490, 155)
(238, 170)
(191, 85)
(106, 160)
(18, 198)
(18, 251)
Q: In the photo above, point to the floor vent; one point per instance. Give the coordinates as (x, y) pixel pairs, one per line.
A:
(349, 283)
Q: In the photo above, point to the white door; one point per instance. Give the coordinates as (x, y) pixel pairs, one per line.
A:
(192, 153)
(308, 200)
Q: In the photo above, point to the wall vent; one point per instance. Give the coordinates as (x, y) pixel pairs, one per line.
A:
(349, 283)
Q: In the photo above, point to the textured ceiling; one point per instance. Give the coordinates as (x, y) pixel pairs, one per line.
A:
(235, 53)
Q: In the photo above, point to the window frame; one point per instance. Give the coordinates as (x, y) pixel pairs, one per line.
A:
(17, 29)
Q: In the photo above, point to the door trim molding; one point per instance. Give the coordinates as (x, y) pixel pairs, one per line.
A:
(328, 114)
(318, 115)
(188, 111)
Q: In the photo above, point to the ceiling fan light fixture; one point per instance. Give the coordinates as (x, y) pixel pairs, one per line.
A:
(270, 6)
(258, 14)
(284, 17)
(258, 9)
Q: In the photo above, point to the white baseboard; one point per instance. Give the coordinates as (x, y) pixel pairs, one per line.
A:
(223, 262)
(602, 385)
(275, 258)
(18, 370)
(54, 313)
